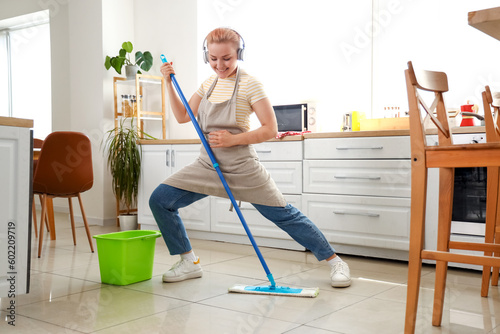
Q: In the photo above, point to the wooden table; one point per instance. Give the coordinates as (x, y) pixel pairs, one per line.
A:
(486, 20)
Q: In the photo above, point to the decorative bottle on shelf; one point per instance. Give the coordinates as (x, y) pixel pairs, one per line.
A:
(127, 107)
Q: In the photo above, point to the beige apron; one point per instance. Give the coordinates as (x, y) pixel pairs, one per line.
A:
(248, 180)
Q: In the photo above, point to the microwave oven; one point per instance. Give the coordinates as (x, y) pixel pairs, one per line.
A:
(295, 117)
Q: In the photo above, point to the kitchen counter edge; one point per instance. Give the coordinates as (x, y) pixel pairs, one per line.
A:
(198, 141)
(19, 122)
(379, 133)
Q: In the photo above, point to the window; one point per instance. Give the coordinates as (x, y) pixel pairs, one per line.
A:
(25, 79)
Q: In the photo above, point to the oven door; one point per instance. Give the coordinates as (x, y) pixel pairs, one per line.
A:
(469, 201)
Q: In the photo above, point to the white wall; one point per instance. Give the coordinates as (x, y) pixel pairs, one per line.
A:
(83, 32)
(117, 23)
(170, 27)
(292, 47)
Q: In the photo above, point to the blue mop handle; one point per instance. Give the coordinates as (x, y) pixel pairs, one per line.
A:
(221, 176)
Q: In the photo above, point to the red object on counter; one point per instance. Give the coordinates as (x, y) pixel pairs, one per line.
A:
(467, 107)
(290, 133)
(467, 121)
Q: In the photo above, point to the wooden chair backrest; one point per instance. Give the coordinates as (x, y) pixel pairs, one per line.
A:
(491, 119)
(437, 83)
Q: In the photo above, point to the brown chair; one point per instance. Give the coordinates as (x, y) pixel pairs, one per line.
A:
(64, 169)
(446, 157)
(492, 232)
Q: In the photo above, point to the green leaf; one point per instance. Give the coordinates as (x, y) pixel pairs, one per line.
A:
(107, 63)
(127, 46)
(144, 60)
(122, 53)
(124, 160)
(117, 63)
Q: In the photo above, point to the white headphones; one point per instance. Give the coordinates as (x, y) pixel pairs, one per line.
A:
(240, 51)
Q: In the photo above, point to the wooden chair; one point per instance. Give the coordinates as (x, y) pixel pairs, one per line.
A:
(446, 157)
(64, 169)
(492, 233)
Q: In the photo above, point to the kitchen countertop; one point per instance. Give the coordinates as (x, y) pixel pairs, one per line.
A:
(379, 133)
(198, 141)
(19, 122)
(388, 133)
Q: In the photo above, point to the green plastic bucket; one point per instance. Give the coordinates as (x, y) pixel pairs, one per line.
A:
(126, 257)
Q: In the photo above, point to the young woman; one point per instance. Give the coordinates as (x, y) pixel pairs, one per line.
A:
(223, 104)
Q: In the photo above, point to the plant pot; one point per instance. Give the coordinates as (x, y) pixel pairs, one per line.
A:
(128, 222)
(131, 71)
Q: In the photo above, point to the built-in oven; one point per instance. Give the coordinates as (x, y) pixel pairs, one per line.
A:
(469, 201)
(469, 197)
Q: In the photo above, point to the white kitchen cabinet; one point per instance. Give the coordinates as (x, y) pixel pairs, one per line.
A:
(361, 220)
(283, 161)
(280, 151)
(210, 218)
(391, 147)
(15, 207)
(225, 221)
(357, 190)
(388, 177)
(287, 175)
(159, 162)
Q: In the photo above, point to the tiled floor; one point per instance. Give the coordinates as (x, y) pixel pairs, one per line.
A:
(67, 295)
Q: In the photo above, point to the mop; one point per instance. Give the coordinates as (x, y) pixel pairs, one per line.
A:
(272, 289)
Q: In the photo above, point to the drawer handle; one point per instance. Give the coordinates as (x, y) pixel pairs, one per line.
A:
(263, 151)
(357, 177)
(360, 148)
(367, 214)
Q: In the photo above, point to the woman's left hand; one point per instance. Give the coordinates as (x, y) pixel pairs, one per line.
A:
(221, 138)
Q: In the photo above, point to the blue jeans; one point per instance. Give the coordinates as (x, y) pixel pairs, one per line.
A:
(166, 201)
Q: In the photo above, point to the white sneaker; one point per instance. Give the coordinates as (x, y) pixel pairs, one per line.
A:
(340, 274)
(183, 270)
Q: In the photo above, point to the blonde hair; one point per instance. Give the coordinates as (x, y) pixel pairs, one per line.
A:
(224, 35)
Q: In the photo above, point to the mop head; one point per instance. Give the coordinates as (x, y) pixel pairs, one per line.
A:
(275, 290)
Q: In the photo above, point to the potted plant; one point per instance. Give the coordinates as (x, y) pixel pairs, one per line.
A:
(124, 155)
(143, 61)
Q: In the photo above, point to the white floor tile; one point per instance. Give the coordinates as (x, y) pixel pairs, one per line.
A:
(67, 295)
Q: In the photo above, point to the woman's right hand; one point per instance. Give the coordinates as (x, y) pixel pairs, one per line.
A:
(166, 69)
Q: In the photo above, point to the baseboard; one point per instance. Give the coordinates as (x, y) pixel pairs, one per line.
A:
(79, 218)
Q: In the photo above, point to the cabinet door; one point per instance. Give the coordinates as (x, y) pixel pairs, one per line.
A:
(397, 147)
(225, 221)
(287, 175)
(155, 169)
(197, 215)
(15, 205)
(183, 155)
(381, 222)
(358, 177)
(279, 151)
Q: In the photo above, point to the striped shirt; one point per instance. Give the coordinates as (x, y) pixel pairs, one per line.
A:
(250, 90)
